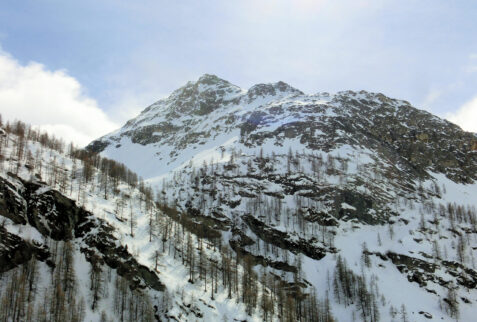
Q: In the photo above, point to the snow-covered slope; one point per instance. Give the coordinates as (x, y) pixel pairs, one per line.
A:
(333, 190)
(82, 240)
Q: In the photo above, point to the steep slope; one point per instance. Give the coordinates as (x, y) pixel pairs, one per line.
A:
(81, 239)
(318, 188)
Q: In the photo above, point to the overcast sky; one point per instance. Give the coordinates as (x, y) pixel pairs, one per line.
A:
(82, 68)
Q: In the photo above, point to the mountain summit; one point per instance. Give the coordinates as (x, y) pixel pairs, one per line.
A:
(212, 113)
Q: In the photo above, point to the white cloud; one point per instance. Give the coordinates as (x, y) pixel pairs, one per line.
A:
(466, 116)
(52, 100)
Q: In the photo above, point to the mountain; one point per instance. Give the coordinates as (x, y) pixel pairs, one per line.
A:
(224, 204)
(319, 184)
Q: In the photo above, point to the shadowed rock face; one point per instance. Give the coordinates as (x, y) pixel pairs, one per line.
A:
(50, 212)
(423, 272)
(12, 204)
(15, 251)
(58, 217)
(281, 239)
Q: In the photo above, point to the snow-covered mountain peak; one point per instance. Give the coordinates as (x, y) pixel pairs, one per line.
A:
(207, 83)
(210, 93)
(202, 96)
(210, 79)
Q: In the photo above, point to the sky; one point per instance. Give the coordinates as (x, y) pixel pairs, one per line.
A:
(80, 69)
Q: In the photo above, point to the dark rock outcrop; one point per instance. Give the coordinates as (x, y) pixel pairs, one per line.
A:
(15, 251)
(422, 272)
(58, 217)
(282, 240)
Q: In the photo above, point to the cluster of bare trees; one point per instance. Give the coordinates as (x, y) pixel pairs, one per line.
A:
(111, 172)
(26, 297)
(460, 220)
(350, 288)
(18, 288)
(131, 305)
